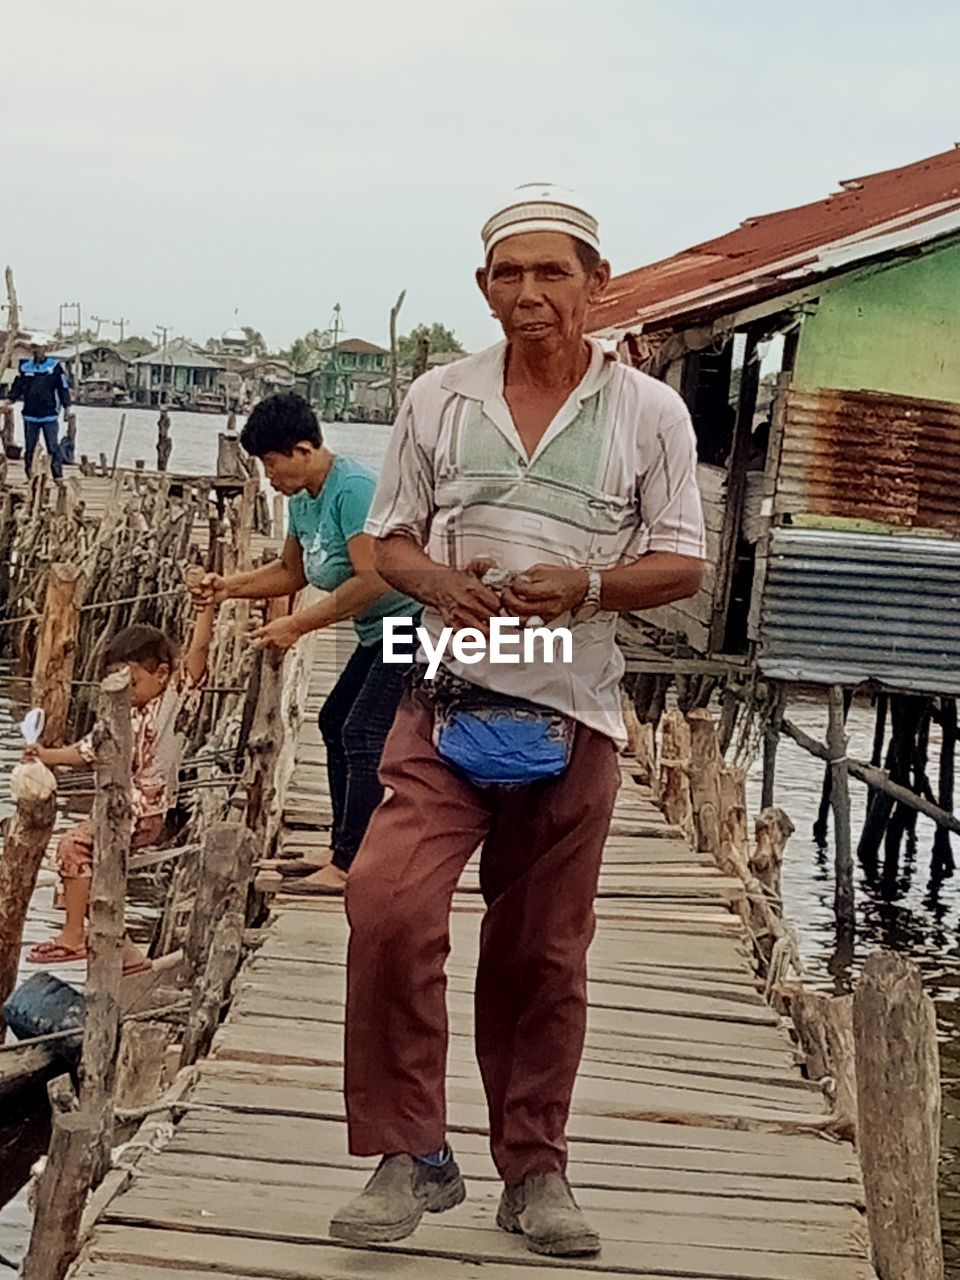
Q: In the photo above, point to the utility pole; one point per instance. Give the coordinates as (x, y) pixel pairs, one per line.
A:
(73, 306)
(103, 320)
(98, 321)
(161, 332)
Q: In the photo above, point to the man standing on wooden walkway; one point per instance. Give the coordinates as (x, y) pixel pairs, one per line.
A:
(574, 477)
(42, 386)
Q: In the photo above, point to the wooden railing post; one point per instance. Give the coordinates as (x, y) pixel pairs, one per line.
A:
(705, 781)
(25, 837)
(773, 829)
(898, 1096)
(263, 749)
(215, 937)
(112, 829)
(674, 788)
(61, 1195)
(56, 650)
(824, 1026)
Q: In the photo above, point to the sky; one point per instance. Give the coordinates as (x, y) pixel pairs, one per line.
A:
(176, 163)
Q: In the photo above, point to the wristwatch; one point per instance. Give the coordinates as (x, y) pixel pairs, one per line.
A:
(591, 601)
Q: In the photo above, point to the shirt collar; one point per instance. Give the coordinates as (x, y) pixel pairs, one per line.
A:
(480, 377)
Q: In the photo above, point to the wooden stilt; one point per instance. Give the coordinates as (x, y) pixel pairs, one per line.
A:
(771, 739)
(908, 712)
(840, 804)
(942, 864)
(822, 825)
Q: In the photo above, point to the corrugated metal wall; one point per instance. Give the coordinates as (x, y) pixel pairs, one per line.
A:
(863, 454)
(841, 607)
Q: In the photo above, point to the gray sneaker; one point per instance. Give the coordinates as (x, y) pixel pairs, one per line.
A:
(395, 1199)
(542, 1209)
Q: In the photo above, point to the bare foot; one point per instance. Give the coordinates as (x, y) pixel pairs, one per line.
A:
(134, 960)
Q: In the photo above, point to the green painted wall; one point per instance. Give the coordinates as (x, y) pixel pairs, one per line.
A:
(896, 330)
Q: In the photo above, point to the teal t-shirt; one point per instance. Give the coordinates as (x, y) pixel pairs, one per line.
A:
(325, 524)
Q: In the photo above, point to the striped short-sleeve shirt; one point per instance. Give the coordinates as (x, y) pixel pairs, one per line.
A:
(612, 479)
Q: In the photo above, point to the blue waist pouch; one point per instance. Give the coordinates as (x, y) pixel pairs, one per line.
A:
(498, 741)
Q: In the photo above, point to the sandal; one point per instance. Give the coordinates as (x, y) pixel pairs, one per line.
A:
(55, 953)
(294, 867)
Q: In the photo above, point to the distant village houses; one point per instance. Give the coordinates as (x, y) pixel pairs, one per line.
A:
(178, 374)
(98, 369)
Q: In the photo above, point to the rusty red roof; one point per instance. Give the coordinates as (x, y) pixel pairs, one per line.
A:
(755, 260)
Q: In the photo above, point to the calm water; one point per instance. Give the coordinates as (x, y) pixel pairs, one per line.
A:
(924, 926)
(194, 437)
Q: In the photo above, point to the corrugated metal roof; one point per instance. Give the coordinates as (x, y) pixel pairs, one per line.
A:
(69, 353)
(763, 255)
(845, 608)
(871, 456)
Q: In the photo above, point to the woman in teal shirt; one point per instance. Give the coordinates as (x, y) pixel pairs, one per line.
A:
(329, 497)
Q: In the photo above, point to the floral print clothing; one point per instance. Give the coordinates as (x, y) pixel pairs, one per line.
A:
(159, 733)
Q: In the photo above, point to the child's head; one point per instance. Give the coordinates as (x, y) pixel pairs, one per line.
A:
(148, 655)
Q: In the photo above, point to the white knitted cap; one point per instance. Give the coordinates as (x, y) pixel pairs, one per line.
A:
(541, 206)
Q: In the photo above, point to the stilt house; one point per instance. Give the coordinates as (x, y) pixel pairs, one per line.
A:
(818, 349)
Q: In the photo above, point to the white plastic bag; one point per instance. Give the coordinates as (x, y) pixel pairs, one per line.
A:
(31, 726)
(32, 781)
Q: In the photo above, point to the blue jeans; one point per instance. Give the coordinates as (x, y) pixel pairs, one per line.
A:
(32, 428)
(354, 723)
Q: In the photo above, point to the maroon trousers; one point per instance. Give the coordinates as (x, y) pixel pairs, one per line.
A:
(541, 852)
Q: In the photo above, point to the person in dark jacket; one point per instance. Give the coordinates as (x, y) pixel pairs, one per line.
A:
(43, 387)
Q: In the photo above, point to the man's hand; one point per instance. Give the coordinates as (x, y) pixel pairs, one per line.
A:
(281, 633)
(463, 601)
(206, 589)
(545, 591)
(35, 753)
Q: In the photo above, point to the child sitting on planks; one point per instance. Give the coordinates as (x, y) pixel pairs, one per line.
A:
(162, 694)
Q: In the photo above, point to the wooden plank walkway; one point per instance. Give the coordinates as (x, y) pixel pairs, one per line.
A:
(692, 1143)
